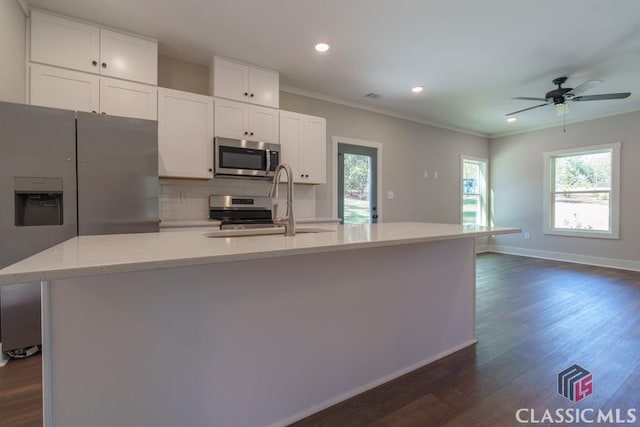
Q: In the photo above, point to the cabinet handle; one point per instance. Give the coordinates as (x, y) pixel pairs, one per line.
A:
(94, 63)
(251, 133)
(94, 111)
(251, 95)
(246, 133)
(104, 65)
(210, 170)
(306, 176)
(301, 175)
(103, 112)
(246, 94)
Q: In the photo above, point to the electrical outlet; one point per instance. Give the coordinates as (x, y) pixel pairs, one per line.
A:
(426, 173)
(183, 196)
(527, 236)
(435, 175)
(390, 195)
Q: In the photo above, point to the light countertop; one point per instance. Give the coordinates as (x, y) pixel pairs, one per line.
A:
(93, 255)
(188, 223)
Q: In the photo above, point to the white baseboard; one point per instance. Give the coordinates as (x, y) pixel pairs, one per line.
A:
(482, 248)
(358, 390)
(622, 264)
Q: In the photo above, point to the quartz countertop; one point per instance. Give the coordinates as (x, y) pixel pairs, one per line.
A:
(188, 223)
(118, 253)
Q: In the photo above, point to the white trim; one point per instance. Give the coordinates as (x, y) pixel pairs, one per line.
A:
(622, 264)
(358, 390)
(47, 395)
(327, 98)
(548, 177)
(334, 172)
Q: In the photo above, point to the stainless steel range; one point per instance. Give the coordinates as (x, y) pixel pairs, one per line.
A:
(238, 212)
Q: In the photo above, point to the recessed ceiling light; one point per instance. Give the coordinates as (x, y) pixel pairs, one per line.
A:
(417, 89)
(322, 47)
(511, 119)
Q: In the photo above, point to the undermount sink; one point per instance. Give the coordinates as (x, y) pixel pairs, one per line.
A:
(263, 232)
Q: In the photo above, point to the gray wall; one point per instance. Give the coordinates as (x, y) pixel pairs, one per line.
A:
(409, 148)
(516, 181)
(12, 51)
(181, 75)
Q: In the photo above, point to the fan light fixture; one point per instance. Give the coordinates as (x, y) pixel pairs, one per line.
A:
(562, 109)
(417, 89)
(322, 47)
(511, 119)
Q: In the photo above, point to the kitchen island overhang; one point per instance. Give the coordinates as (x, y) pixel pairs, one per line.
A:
(261, 336)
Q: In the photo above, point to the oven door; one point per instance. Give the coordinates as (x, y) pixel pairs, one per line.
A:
(235, 157)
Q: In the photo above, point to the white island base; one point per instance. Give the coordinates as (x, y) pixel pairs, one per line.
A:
(254, 342)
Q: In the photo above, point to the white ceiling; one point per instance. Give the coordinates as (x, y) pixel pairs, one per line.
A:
(471, 56)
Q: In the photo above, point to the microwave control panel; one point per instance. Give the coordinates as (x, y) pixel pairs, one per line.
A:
(274, 160)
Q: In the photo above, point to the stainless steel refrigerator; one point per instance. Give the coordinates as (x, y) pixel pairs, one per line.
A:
(64, 174)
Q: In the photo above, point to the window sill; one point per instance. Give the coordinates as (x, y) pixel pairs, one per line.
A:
(589, 234)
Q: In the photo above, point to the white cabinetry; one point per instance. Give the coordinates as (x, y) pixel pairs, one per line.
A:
(243, 121)
(84, 47)
(74, 90)
(241, 82)
(303, 140)
(128, 99)
(185, 134)
(60, 88)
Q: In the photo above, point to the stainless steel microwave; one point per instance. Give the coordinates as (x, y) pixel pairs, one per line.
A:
(243, 158)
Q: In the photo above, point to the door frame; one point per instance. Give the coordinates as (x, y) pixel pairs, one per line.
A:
(335, 140)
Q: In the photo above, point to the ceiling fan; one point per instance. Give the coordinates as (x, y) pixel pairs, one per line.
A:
(561, 95)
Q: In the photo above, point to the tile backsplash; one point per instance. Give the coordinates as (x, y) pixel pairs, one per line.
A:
(189, 199)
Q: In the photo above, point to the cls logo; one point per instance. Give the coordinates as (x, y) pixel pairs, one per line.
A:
(575, 383)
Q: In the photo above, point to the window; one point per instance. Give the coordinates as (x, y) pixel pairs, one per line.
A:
(581, 190)
(474, 191)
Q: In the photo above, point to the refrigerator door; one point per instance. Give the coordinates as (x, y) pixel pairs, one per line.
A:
(37, 150)
(117, 175)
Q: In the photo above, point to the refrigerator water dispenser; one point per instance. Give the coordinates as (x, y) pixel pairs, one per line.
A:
(38, 201)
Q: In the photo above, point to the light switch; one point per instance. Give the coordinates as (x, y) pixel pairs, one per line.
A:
(390, 195)
(426, 173)
(435, 174)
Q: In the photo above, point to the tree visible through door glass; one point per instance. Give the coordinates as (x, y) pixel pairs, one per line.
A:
(357, 189)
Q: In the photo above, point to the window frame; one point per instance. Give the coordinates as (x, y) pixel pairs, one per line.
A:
(483, 188)
(549, 192)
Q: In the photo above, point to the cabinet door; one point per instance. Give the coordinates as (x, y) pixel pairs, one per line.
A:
(315, 150)
(63, 42)
(120, 98)
(264, 124)
(127, 57)
(59, 88)
(231, 119)
(230, 80)
(264, 87)
(185, 134)
(290, 142)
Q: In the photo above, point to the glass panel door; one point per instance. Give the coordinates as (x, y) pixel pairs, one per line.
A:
(357, 186)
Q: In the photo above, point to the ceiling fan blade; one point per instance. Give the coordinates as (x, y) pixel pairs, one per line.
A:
(527, 98)
(602, 96)
(585, 87)
(526, 109)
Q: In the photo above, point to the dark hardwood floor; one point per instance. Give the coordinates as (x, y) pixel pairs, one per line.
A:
(534, 319)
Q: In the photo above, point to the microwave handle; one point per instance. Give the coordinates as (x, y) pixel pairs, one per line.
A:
(268, 154)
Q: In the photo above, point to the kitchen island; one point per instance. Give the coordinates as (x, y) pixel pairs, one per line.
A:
(167, 329)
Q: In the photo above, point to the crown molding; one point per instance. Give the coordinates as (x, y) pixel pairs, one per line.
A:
(322, 97)
(558, 125)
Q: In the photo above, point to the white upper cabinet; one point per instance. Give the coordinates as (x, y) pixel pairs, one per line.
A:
(127, 57)
(244, 121)
(185, 134)
(60, 88)
(127, 99)
(64, 43)
(303, 140)
(81, 46)
(242, 82)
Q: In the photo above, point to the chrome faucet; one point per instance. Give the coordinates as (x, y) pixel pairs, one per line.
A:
(288, 221)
